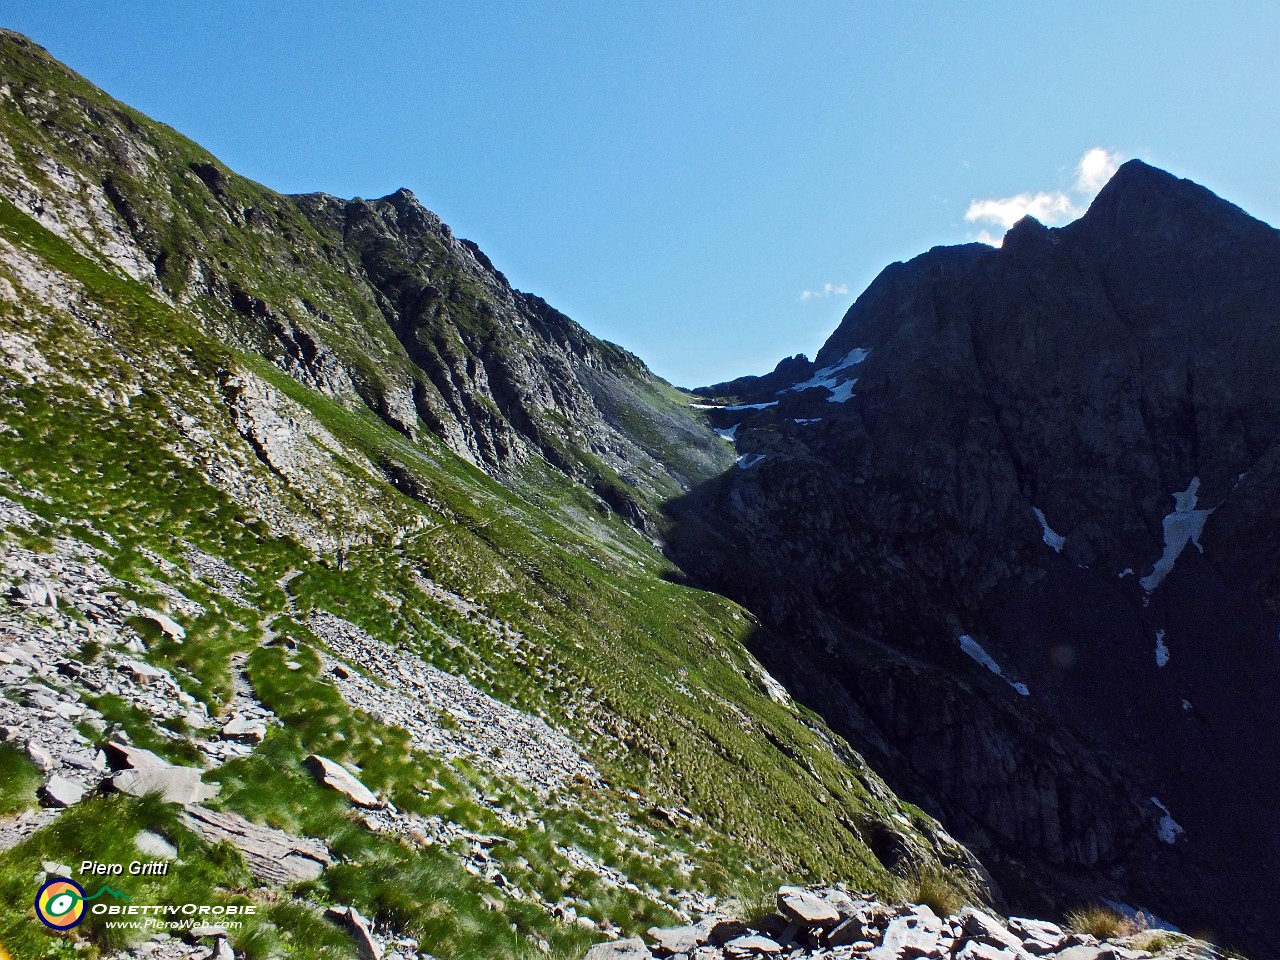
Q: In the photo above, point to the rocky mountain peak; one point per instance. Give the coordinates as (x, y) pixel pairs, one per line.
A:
(1142, 205)
(1016, 480)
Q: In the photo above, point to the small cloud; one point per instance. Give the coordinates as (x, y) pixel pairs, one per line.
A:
(989, 238)
(1096, 167)
(825, 291)
(1052, 208)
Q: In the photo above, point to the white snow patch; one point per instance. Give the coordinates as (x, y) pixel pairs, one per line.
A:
(736, 406)
(833, 377)
(747, 461)
(1168, 829)
(1183, 524)
(729, 432)
(1054, 540)
(1186, 704)
(974, 650)
(843, 392)
(1162, 651)
(806, 421)
(1126, 572)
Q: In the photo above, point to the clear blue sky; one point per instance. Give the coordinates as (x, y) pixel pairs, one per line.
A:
(675, 175)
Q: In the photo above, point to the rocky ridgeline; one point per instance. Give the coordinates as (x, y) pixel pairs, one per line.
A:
(831, 924)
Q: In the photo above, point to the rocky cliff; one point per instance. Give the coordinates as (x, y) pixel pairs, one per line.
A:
(1013, 530)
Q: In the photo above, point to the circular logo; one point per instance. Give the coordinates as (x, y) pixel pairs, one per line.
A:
(60, 904)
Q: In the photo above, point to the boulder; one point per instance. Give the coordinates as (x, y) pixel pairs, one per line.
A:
(806, 908)
(39, 756)
(168, 626)
(1038, 936)
(986, 928)
(273, 856)
(633, 949)
(337, 777)
(752, 945)
(845, 933)
(34, 593)
(125, 756)
(723, 930)
(243, 728)
(907, 937)
(222, 950)
(175, 784)
(684, 939)
(61, 792)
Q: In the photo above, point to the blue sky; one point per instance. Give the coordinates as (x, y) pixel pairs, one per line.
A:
(676, 176)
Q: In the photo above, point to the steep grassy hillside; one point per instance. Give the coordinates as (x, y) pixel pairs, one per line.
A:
(218, 519)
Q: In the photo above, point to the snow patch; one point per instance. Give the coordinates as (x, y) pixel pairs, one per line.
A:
(1186, 704)
(729, 432)
(1168, 829)
(975, 651)
(805, 422)
(1054, 540)
(736, 406)
(1162, 651)
(833, 377)
(747, 461)
(1183, 524)
(843, 392)
(1126, 572)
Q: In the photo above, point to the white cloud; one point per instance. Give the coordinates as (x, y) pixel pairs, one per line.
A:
(826, 290)
(1096, 167)
(1048, 208)
(1052, 208)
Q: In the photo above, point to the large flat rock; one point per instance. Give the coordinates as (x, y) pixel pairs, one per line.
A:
(273, 856)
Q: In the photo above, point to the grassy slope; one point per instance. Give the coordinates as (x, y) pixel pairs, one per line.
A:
(650, 677)
(238, 237)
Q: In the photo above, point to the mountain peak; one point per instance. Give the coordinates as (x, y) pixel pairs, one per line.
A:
(1142, 203)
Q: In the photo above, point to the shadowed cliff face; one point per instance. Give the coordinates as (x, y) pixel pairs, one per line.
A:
(1118, 376)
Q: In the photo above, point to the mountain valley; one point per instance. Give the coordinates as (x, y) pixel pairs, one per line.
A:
(382, 598)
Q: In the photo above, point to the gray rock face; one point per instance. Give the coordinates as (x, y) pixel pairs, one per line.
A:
(1059, 449)
(337, 777)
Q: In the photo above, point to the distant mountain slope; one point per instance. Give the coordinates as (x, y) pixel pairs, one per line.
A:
(1016, 527)
(369, 300)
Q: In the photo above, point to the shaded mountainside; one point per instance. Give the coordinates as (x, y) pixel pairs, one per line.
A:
(1014, 533)
(314, 527)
